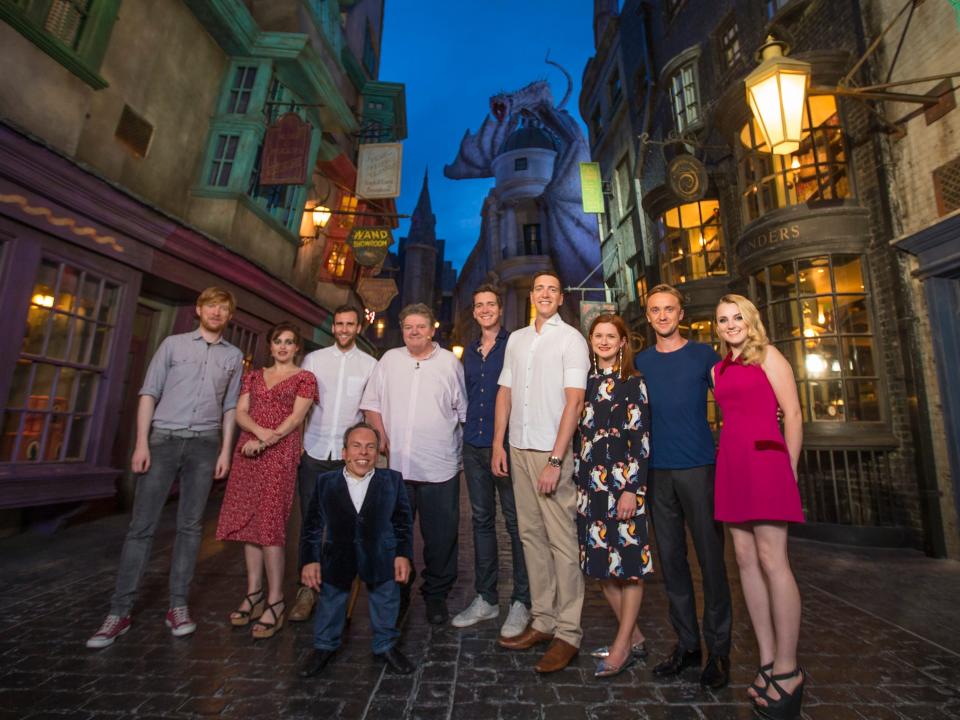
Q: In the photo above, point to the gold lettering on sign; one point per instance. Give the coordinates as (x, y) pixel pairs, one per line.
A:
(58, 221)
(768, 239)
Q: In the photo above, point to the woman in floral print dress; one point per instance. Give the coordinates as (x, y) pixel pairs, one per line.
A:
(611, 451)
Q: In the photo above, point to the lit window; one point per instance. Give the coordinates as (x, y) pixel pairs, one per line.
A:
(348, 206)
(729, 39)
(337, 260)
(816, 172)
(691, 242)
(685, 97)
(815, 310)
(66, 347)
(380, 326)
(701, 331)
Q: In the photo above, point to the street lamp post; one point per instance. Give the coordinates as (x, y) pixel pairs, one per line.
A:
(776, 92)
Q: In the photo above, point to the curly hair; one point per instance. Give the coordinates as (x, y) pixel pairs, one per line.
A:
(756, 345)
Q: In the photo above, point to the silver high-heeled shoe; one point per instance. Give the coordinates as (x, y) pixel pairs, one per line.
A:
(638, 651)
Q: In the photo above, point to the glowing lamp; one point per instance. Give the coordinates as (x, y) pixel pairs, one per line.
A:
(776, 91)
(321, 216)
(458, 351)
(42, 300)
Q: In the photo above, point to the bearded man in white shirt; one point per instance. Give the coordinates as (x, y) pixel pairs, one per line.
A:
(417, 400)
(342, 371)
(541, 392)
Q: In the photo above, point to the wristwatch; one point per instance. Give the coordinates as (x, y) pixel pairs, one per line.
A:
(554, 461)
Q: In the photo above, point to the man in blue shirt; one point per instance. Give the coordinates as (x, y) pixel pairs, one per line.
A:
(483, 361)
(680, 489)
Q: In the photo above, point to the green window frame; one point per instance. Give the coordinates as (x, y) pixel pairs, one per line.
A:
(251, 99)
(75, 33)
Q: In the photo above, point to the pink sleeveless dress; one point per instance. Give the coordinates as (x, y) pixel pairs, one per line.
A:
(754, 479)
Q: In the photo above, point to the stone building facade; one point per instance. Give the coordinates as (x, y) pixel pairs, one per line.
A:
(130, 179)
(807, 236)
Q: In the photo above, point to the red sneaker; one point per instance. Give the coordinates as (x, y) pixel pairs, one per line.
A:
(179, 621)
(113, 627)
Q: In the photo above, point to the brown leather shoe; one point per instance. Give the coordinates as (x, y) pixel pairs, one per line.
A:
(303, 607)
(557, 657)
(527, 639)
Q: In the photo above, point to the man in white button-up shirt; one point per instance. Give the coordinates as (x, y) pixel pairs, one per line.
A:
(417, 400)
(541, 394)
(342, 371)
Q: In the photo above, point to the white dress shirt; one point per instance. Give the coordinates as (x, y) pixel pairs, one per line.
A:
(357, 487)
(537, 367)
(422, 403)
(341, 378)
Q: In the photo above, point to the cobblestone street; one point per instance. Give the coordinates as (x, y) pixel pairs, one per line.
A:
(880, 639)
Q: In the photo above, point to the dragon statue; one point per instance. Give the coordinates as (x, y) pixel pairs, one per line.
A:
(571, 232)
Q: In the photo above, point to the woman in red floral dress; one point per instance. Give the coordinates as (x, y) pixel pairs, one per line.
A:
(273, 403)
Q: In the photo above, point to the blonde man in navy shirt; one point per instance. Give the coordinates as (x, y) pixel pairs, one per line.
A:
(680, 489)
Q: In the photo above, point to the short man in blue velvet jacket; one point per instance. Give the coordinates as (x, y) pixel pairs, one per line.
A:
(358, 523)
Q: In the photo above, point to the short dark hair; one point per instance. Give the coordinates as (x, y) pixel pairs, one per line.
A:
(360, 426)
(349, 309)
(548, 273)
(490, 288)
(280, 328)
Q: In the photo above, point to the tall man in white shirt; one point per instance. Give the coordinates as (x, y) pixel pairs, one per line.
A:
(541, 395)
(342, 371)
(416, 399)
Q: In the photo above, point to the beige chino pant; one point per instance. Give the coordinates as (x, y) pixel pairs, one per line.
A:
(548, 531)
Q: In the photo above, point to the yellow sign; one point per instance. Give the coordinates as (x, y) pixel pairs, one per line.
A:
(591, 187)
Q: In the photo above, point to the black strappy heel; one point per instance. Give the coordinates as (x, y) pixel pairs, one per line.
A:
(242, 618)
(787, 706)
(268, 629)
(764, 672)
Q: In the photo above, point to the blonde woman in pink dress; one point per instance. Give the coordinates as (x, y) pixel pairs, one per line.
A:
(756, 495)
(273, 403)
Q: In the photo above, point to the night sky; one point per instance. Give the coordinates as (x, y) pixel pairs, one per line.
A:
(452, 56)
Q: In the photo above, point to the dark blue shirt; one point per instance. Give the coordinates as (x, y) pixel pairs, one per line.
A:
(677, 384)
(481, 374)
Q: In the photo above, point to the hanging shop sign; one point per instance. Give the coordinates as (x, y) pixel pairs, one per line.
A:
(370, 244)
(591, 187)
(378, 170)
(590, 310)
(286, 150)
(377, 293)
(687, 178)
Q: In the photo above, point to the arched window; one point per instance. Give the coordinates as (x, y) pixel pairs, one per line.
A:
(691, 242)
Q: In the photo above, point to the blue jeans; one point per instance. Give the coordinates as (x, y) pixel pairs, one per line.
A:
(193, 459)
(331, 614)
(483, 487)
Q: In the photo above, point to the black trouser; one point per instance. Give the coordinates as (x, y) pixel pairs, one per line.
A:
(307, 484)
(679, 497)
(438, 505)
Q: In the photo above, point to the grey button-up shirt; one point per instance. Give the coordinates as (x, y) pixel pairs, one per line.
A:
(193, 381)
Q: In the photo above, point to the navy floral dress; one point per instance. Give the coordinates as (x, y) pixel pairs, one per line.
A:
(611, 451)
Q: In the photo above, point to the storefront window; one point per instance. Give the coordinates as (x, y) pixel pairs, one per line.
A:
(65, 351)
(701, 331)
(691, 242)
(816, 314)
(246, 340)
(815, 173)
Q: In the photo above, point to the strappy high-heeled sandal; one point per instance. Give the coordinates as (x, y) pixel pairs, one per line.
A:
(764, 672)
(787, 705)
(263, 630)
(242, 618)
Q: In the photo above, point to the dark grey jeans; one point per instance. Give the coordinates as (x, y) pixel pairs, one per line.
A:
(483, 487)
(193, 460)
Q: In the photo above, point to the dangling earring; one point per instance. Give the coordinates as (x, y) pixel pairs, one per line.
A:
(619, 369)
(596, 369)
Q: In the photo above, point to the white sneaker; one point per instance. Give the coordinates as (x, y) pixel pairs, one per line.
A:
(478, 610)
(517, 620)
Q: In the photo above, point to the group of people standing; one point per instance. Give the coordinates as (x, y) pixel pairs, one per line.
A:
(575, 437)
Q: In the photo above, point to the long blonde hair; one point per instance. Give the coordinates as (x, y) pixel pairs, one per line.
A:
(757, 340)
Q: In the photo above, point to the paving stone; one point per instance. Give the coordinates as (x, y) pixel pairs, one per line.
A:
(859, 665)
